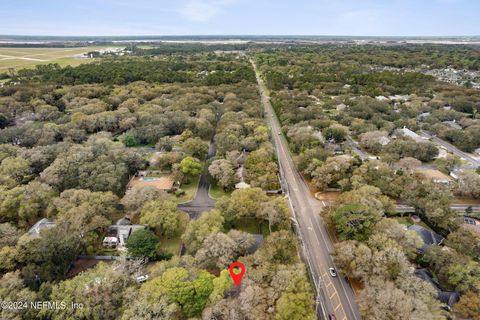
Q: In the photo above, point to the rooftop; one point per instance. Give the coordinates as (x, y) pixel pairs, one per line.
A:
(447, 297)
(118, 234)
(429, 237)
(39, 226)
(409, 133)
(453, 124)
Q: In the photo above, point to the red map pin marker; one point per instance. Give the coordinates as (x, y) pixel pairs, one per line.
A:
(237, 277)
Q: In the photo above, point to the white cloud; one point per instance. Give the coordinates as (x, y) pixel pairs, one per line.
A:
(203, 10)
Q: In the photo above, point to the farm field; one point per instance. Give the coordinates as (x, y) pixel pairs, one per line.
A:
(19, 58)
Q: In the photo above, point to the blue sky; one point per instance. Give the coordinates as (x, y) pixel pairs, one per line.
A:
(240, 17)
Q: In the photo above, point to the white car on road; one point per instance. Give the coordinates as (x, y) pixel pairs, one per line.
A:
(332, 271)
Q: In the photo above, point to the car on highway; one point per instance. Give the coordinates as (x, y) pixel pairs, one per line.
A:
(332, 271)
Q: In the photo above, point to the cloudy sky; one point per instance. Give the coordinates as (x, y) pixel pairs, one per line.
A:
(240, 17)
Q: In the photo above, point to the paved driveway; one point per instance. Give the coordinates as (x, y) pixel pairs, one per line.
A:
(202, 201)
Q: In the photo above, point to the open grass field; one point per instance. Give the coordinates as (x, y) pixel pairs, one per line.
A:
(19, 58)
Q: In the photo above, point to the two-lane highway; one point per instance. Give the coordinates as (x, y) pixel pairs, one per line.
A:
(336, 296)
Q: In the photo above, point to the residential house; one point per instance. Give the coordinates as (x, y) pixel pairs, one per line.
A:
(456, 173)
(429, 237)
(424, 115)
(453, 124)
(42, 224)
(449, 298)
(119, 233)
(409, 133)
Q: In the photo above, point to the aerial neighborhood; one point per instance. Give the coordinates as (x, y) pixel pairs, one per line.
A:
(235, 177)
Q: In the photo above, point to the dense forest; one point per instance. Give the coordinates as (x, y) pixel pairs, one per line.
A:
(394, 54)
(207, 70)
(333, 100)
(72, 138)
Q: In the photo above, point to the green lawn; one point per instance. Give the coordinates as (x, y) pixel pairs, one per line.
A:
(408, 222)
(216, 192)
(252, 226)
(404, 220)
(172, 245)
(190, 190)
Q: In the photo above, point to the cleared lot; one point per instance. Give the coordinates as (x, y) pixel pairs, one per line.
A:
(19, 58)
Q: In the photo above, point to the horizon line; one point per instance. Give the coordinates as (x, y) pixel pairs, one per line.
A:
(239, 35)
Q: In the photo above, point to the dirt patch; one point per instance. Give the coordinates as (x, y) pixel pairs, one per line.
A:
(328, 196)
(466, 200)
(357, 286)
(434, 175)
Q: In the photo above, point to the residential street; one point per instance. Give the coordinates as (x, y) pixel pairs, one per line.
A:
(473, 163)
(202, 201)
(336, 295)
(461, 208)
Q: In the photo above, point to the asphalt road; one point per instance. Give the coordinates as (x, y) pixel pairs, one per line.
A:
(461, 208)
(336, 293)
(474, 163)
(202, 201)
